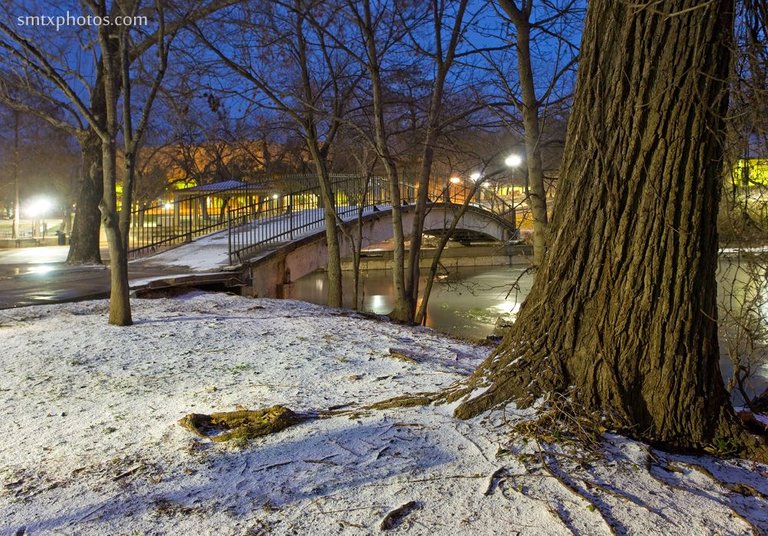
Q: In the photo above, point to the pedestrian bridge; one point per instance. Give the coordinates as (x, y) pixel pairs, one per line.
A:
(279, 237)
(274, 267)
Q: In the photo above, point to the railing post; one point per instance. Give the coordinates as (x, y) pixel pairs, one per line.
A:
(290, 212)
(229, 234)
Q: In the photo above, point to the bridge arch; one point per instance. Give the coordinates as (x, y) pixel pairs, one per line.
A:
(269, 272)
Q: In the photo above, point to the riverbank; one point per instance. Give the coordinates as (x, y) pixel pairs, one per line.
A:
(457, 256)
(92, 443)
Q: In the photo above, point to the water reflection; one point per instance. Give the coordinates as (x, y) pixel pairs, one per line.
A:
(465, 302)
(743, 321)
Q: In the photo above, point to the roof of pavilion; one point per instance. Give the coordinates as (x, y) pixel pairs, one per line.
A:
(223, 186)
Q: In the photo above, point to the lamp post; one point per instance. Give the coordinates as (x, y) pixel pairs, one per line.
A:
(452, 181)
(511, 161)
(515, 161)
(37, 210)
(17, 205)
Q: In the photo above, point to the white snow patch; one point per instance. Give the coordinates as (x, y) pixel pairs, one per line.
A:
(91, 443)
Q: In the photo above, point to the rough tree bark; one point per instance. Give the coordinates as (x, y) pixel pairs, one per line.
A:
(622, 315)
(84, 241)
(86, 235)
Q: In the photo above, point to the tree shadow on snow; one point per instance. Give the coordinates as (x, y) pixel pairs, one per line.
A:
(301, 463)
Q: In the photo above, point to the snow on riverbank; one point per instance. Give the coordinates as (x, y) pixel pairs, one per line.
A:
(91, 443)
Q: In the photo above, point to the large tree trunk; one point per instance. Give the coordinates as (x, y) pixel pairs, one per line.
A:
(622, 315)
(84, 241)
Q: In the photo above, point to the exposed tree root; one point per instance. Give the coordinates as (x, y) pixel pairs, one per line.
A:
(394, 518)
(406, 401)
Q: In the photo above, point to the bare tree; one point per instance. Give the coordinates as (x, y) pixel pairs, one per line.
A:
(434, 33)
(541, 21)
(44, 61)
(312, 87)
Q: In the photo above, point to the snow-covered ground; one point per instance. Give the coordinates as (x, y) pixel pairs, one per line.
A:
(91, 442)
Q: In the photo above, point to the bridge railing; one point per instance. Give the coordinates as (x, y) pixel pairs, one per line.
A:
(160, 225)
(483, 198)
(284, 217)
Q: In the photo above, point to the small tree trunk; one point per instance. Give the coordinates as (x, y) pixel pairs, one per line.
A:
(421, 313)
(403, 311)
(332, 239)
(444, 65)
(119, 300)
(333, 265)
(535, 192)
(623, 314)
(15, 230)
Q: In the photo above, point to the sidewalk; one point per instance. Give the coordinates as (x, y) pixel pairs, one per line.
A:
(40, 275)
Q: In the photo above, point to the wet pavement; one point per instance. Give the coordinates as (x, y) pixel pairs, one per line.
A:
(40, 275)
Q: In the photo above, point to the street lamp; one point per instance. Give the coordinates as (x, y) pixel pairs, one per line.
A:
(513, 160)
(452, 180)
(37, 209)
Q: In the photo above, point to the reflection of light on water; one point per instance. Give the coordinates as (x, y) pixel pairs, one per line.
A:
(469, 307)
(42, 269)
(506, 307)
(378, 304)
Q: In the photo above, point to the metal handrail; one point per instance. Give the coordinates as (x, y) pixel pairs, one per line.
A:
(255, 215)
(160, 225)
(283, 217)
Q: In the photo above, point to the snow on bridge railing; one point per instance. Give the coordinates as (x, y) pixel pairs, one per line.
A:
(256, 215)
(282, 217)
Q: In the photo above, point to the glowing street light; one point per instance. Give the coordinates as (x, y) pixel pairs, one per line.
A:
(455, 180)
(475, 176)
(38, 207)
(513, 160)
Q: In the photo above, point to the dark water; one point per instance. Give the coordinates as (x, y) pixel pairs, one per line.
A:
(465, 302)
(468, 302)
